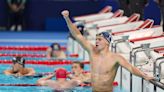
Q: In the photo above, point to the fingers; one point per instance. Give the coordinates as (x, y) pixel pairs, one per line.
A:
(150, 78)
(65, 13)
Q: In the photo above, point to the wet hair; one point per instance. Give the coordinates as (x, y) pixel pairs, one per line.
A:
(79, 63)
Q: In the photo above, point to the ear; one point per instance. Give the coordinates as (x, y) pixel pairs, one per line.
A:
(106, 42)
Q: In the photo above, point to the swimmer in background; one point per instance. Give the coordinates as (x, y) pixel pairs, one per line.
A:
(78, 73)
(55, 51)
(60, 83)
(19, 69)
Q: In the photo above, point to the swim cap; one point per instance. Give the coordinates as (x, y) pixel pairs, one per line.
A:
(106, 35)
(61, 73)
(55, 46)
(18, 60)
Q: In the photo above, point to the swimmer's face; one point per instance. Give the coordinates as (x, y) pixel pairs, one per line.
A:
(101, 42)
(76, 68)
(56, 52)
(16, 67)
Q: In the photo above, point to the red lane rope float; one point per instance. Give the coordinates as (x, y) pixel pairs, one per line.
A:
(35, 55)
(24, 55)
(73, 55)
(48, 73)
(82, 85)
(46, 62)
(28, 48)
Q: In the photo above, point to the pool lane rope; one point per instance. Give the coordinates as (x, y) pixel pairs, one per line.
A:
(19, 85)
(81, 85)
(28, 48)
(34, 55)
(45, 62)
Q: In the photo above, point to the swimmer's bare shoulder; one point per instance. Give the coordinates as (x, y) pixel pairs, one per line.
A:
(121, 60)
(51, 83)
(30, 71)
(117, 57)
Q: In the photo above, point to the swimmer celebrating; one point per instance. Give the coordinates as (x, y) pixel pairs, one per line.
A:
(60, 83)
(104, 63)
(18, 68)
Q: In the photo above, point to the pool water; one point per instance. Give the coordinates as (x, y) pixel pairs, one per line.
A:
(4, 79)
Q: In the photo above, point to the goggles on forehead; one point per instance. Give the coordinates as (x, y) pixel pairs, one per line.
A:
(55, 46)
(18, 60)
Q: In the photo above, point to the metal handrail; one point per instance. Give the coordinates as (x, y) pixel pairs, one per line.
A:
(154, 64)
(131, 53)
(160, 67)
(135, 53)
(115, 42)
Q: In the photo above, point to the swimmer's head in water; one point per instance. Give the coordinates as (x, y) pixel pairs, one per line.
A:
(61, 73)
(55, 47)
(18, 64)
(105, 35)
(19, 60)
(77, 67)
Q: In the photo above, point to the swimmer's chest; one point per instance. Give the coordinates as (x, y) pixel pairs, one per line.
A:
(104, 63)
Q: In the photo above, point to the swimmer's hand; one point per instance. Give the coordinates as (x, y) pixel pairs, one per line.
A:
(65, 13)
(148, 78)
(17, 75)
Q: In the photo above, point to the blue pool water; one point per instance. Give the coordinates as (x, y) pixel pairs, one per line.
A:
(29, 80)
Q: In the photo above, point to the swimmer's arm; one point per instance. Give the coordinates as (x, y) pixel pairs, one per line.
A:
(31, 72)
(7, 72)
(74, 83)
(48, 55)
(124, 63)
(76, 33)
(43, 81)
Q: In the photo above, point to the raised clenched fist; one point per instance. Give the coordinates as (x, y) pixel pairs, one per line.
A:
(65, 13)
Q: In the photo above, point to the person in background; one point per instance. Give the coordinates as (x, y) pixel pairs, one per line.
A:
(137, 6)
(60, 83)
(124, 5)
(78, 73)
(55, 51)
(16, 11)
(161, 5)
(19, 69)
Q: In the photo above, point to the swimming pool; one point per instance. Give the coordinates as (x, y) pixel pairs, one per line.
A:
(30, 80)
